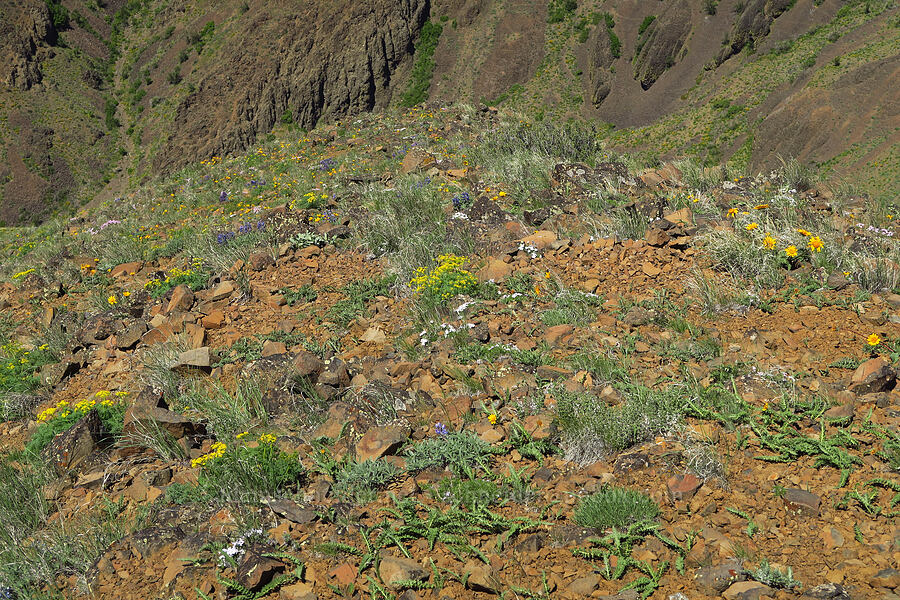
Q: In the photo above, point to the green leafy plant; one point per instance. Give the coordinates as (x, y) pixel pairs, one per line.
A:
(303, 294)
(247, 473)
(358, 294)
(467, 493)
(559, 10)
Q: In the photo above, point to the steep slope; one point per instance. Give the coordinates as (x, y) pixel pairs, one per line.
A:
(129, 90)
(53, 138)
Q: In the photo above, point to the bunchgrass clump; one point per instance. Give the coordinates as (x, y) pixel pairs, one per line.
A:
(407, 225)
(614, 507)
(572, 307)
(227, 412)
(33, 552)
(592, 429)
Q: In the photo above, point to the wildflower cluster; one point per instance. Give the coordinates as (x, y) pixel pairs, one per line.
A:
(814, 243)
(217, 450)
(245, 228)
(461, 201)
(18, 366)
(103, 226)
(109, 406)
(328, 216)
(64, 409)
(246, 469)
(878, 346)
(309, 200)
(22, 274)
(194, 277)
(446, 280)
(876, 230)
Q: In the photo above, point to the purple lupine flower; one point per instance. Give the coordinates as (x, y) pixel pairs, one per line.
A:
(260, 225)
(440, 429)
(223, 197)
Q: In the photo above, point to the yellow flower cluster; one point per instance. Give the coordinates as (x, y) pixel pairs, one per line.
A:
(446, 280)
(175, 273)
(23, 274)
(216, 451)
(267, 438)
(307, 200)
(63, 408)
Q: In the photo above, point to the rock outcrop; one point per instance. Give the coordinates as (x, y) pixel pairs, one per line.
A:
(316, 63)
(662, 43)
(752, 25)
(23, 30)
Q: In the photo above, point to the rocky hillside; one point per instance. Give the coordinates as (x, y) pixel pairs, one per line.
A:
(453, 353)
(123, 91)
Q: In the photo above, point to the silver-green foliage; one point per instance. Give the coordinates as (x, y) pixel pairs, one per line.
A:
(463, 452)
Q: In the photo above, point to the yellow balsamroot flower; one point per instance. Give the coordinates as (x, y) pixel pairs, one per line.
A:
(492, 418)
(769, 242)
(791, 251)
(761, 206)
(112, 300)
(751, 226)
(732, 213)
(804, 232)
(873, 340)
(815, 244)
